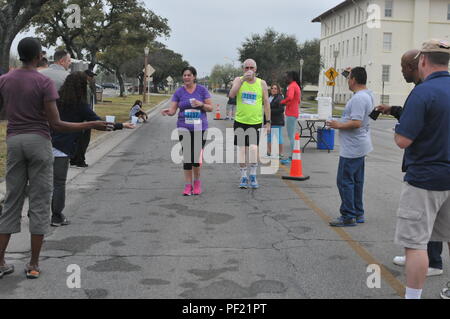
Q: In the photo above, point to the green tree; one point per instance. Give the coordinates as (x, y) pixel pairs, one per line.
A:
(223, 74)
(276, 53)
(101, 22)
(310, 52)
(14, 17)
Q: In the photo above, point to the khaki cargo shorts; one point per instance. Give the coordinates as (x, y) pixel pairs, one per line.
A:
(422, 216)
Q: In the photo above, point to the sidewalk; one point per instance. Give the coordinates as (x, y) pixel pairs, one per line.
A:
(20, 243)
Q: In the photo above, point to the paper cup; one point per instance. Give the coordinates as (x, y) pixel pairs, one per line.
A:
(134, 119)
(191, 101)
(110, 118)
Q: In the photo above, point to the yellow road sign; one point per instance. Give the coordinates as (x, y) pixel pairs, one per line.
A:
(331, 74)
(331, 83)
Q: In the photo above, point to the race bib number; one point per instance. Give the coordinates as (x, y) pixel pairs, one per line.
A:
(192, 117)
(249, 98)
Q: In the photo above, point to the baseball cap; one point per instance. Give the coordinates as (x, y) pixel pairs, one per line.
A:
(435, 45)
(90, 73)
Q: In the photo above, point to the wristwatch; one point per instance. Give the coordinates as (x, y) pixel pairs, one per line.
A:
(269, 121)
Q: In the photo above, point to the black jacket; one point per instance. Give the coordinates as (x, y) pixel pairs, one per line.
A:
(276, 111)
(67, 142)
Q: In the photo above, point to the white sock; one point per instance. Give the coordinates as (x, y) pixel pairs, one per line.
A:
(253, 168)
(413, 293)
(243, 171)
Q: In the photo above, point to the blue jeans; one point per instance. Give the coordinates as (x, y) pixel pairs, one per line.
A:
(350, 182)
(291, 121)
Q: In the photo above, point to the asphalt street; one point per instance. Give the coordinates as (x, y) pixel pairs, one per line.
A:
(134, 236)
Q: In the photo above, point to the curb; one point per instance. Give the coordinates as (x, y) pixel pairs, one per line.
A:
(92, 147)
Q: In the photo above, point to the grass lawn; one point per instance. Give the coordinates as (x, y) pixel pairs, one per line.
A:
(119, 107)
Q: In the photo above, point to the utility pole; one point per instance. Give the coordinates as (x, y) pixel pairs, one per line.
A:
(335, 54)
(144, 84)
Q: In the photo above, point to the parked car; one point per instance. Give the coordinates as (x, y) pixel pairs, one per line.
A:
(110, 86)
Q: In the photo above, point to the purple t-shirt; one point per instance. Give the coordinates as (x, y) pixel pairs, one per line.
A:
(23, 93)
(190, 117)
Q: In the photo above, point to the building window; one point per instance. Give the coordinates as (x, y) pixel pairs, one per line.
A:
(354, 17)
(344, 21)
(448, 12)
(354, 46)
(386, 76)
(387, 42)
(388, 8)
(348, 19)
(365, 43)
(385, 99)
(357, 46)
(348, 45)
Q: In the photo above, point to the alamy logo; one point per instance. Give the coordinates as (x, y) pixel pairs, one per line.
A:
(374, 16)
(74, 279)
(74, 18)
(374, 279)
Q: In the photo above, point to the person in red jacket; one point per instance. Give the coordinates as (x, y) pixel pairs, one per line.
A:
(292, 102)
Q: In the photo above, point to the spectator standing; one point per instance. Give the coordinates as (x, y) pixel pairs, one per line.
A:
(410, 70)
(72, 107)
(29, 99)
(292, 102)
(424, 133)
(79, 157)
(58, 71)
(355, 141)
(231, 108)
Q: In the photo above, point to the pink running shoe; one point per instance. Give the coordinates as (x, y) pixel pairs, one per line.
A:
(187, 190)
(197, 187)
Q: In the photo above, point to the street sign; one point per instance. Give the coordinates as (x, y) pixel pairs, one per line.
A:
(169, 80)
(150, 70)
(331, 83)
(331, 74)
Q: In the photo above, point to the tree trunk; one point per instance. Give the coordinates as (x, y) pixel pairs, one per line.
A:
(121, 84)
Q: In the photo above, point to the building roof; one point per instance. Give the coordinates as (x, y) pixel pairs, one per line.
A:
(333, 10)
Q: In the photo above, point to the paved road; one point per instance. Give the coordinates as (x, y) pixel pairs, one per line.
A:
(134, 236)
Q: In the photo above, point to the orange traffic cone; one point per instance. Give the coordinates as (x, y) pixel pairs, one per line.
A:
(217, 113)
(296, 173)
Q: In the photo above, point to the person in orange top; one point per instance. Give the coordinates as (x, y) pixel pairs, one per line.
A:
(292, 102)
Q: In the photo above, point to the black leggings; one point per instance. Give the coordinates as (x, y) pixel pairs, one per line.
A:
(189, 144)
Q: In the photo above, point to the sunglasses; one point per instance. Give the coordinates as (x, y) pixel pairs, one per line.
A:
(249, 68)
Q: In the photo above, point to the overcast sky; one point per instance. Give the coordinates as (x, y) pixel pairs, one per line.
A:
(209, 32)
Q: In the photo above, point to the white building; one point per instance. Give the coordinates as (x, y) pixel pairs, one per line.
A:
(403, 24)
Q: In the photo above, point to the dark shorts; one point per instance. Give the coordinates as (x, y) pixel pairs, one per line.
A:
(245, 134)
(191, 151)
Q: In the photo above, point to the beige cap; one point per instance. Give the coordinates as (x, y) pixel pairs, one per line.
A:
(435, 45)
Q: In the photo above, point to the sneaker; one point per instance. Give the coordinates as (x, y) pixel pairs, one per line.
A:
(360, 220)
(244, 182)
(6, 270)
(284, 161)
(82, 165)
(445, 293)
(187, 190)
(227, 118)
(253, 182)
(197, 187)
(64, 222)
(434, 272)
(32, 272)
(399, 260)
(343, 222)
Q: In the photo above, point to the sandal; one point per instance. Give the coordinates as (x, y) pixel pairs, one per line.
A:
(6, 270)
(32, 272)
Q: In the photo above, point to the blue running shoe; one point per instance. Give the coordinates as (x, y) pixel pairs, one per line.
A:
(253, 182)
(360, 220)
(244, 182)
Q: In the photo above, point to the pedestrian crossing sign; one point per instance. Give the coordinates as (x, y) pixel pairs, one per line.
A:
(331, 74)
